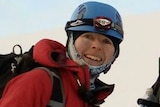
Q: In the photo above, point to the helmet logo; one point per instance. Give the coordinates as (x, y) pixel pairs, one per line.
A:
(77, 23)
(102, 23)
(82, 10)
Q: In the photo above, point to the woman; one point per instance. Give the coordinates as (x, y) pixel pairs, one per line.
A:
(94, 34)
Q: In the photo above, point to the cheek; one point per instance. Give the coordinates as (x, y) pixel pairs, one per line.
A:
(109, 53)
(80, 47)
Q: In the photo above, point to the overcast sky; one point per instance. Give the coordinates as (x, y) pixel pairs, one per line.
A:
(23, 16)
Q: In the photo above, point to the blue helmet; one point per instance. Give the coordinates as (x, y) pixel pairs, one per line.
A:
(96, 17)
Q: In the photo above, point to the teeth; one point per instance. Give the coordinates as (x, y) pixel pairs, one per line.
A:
(93, 57)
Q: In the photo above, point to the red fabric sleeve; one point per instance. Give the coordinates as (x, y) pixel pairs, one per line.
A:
(31, 89)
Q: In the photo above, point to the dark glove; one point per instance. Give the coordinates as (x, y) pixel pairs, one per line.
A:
(152, 96)
(147, 103)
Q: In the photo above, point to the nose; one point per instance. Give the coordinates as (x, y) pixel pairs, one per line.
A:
(96, 45)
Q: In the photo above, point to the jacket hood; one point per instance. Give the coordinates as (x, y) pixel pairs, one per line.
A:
(52, 54)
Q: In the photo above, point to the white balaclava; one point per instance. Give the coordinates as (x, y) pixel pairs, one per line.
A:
(94, 70)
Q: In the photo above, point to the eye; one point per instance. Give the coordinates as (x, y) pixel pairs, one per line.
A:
(107, 41)
(88, 36)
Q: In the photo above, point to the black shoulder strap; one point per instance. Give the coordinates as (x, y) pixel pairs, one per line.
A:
(57, 97)
(57, 91)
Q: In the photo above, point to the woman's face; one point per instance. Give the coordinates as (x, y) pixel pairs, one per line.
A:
(95, 49)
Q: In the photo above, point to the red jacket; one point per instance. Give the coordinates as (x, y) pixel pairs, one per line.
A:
(34, 88)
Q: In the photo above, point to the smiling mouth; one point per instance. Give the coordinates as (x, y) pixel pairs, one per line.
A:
(93, 58)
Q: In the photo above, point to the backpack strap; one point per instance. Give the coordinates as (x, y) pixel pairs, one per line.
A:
(57, 97)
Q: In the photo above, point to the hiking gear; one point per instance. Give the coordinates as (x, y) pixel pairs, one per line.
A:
(153, 99)
(13, 64)
(88, 17)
